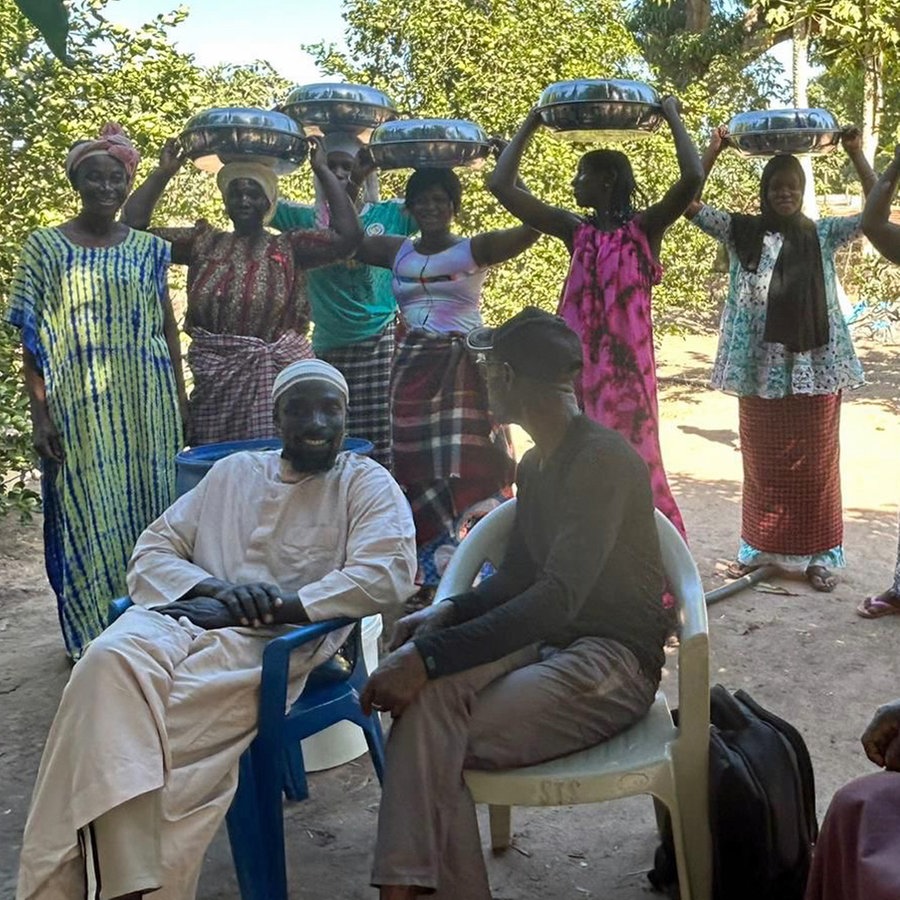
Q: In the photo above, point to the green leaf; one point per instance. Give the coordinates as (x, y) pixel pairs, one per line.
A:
(52, 20)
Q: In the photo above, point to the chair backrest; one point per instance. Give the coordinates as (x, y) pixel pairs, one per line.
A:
(487, 542)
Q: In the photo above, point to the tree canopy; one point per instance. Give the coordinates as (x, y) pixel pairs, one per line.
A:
(486, 60)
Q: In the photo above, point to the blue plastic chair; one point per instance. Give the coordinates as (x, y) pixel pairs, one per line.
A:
(273, 764)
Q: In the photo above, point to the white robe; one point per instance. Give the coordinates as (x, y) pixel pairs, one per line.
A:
(159, 704)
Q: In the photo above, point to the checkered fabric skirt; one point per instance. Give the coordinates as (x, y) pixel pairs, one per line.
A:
(367, 367)
(792, 480)
(233, 378)
(448, 453)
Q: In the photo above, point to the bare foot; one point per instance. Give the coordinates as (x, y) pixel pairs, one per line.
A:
(821, 579)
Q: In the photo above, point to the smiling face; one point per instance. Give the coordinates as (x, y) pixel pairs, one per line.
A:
(432, 209)
(784, 193)
(246, 202)
(102, 183)
(310, 419)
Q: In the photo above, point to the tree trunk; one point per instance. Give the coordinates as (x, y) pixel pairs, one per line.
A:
(698, 14)
(872, 101)
(800, 75)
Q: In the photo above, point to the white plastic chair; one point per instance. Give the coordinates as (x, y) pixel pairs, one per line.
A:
(652, 757)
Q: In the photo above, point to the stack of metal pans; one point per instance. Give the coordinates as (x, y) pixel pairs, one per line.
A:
(429, 143)
(600, 109)
(217, 136)
(328, 107)
(769, 132)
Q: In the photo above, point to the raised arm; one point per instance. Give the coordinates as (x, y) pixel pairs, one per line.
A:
(876, 224)
(659, 217)
(494, 247)
(344, 220)
(139, 207)
(504, 184)
(715, 146)
(851, 139)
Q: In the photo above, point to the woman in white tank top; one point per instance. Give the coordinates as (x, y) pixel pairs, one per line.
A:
(448, 454)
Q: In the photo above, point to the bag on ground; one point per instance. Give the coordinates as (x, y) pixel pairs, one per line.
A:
(762, 805)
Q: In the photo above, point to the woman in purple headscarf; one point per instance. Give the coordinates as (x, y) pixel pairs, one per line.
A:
(102, 372)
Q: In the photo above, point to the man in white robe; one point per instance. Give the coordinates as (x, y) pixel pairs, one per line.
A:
(141, 762)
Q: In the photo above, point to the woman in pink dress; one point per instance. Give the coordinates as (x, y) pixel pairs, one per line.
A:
(614, 266)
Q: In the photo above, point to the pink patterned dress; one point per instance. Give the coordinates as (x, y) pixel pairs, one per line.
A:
(606, 301)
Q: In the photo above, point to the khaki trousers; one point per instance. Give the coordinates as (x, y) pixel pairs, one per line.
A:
(535, 704)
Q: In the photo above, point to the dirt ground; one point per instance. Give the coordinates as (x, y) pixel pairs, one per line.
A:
(804, 655)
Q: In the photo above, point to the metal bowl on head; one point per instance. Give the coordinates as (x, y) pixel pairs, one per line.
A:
(429, 143)
(353, 108)
(769, 132)
(600, 109)
(217, 136)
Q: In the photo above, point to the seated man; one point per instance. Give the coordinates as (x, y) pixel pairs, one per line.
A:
(142, 759)
(561, 649)
(857, 855)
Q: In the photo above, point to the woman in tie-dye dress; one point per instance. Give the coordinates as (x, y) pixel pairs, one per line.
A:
(614, 266)
(99, 342)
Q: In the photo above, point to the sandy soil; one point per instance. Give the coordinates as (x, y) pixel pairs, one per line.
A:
(803, 654)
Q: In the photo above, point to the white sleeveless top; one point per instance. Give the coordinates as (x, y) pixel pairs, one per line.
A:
(440, 292)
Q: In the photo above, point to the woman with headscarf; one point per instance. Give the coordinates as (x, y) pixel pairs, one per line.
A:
(785, 350)
(353, 307)
(449, 456)
(103, 376)
(247, 300)
(613, 269)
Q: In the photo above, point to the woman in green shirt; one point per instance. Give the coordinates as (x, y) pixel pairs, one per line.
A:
(353, 306)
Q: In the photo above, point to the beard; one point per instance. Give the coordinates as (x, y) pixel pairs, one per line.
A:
(313, 459)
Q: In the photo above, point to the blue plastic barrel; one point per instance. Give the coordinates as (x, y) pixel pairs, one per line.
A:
(191, 465)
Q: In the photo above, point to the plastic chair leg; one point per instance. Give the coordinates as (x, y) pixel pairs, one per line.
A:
(685, 887)
(501, 826)
(247, 848)
(295, 786)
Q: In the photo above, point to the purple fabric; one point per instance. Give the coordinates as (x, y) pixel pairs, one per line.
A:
(858, 853)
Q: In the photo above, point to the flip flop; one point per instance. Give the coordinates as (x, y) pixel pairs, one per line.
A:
(875, 608)
(821, 579)
(738, 570)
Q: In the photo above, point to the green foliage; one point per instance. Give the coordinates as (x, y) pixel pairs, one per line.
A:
(489, 61)
(134, 77)
(52, 20)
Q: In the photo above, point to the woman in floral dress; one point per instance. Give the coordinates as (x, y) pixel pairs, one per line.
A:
(785, 351)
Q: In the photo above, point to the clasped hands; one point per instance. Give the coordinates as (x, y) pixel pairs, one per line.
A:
(219, 604)
(401, 676)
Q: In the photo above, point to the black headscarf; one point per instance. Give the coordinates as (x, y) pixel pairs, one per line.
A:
(797, 313)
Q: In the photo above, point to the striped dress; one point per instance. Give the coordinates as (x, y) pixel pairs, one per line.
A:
(93, 319)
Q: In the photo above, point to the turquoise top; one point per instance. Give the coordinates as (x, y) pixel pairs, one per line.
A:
(350, 301)
(747, 365)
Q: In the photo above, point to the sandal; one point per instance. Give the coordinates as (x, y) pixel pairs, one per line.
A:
(877, 607)
(821, 579)
(738, 570)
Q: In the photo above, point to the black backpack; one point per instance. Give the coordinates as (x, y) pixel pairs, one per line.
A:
(762, 805)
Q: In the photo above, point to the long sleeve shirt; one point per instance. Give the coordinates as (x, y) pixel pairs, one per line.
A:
(342, 540)
(583, 560)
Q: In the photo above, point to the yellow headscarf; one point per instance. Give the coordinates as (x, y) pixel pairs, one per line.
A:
(255, 171)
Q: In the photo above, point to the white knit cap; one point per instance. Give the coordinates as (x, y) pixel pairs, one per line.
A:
(309, 370)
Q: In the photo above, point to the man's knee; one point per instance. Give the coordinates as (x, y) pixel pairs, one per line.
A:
(114, 653)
